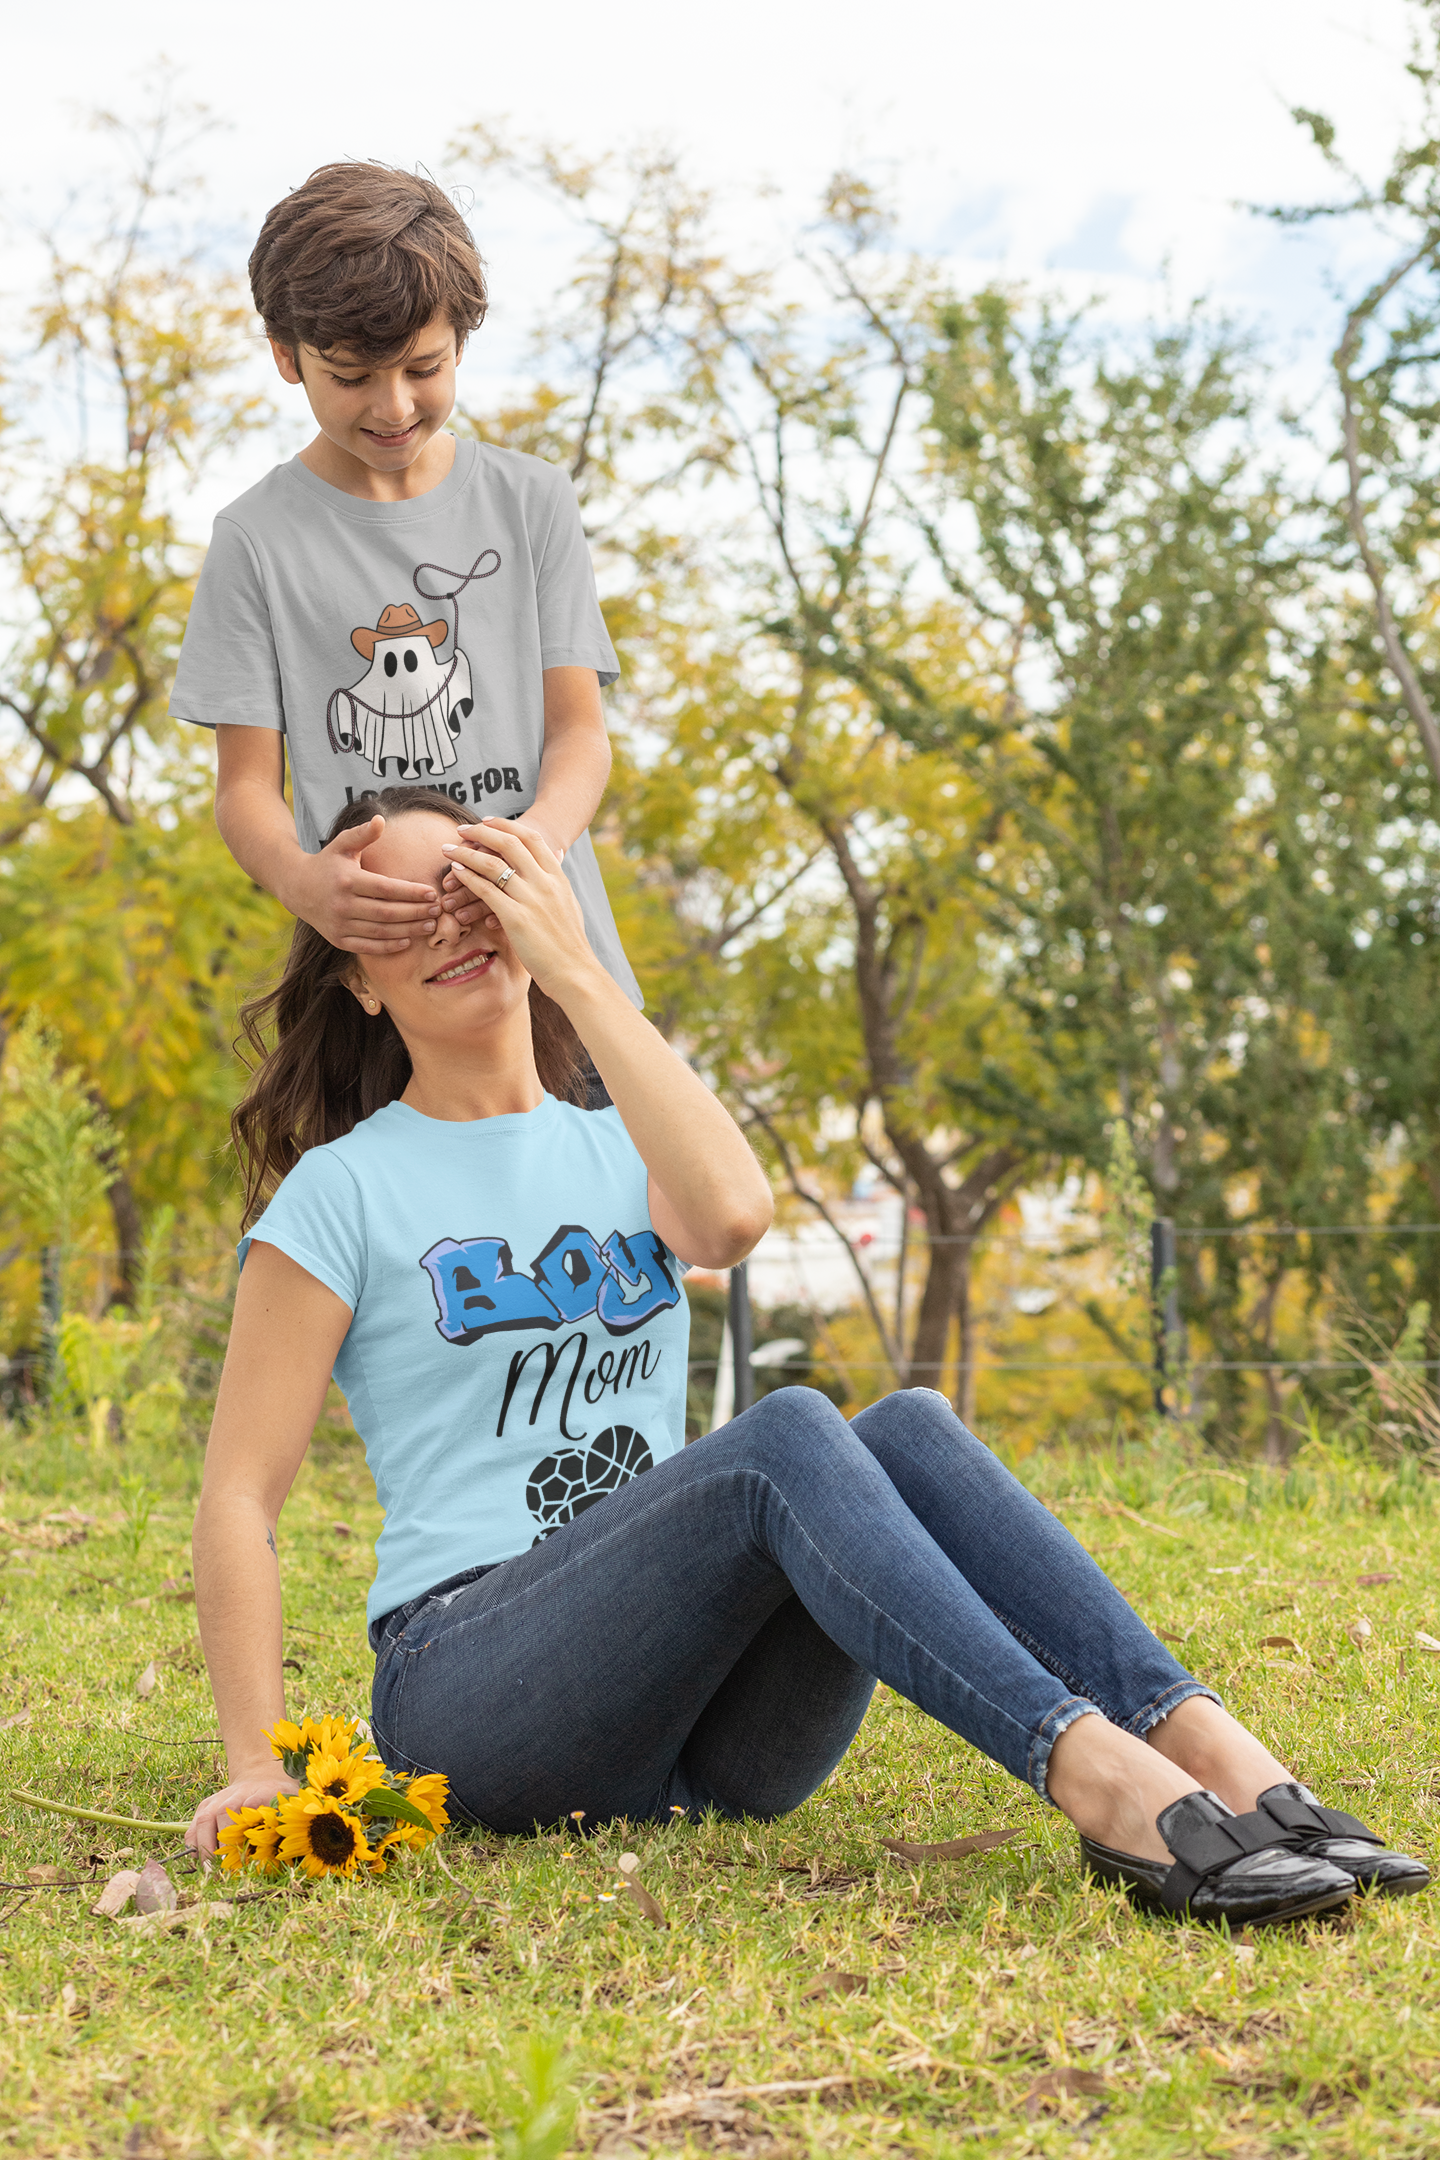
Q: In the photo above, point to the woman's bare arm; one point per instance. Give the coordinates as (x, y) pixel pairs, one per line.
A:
(284, 1338)
(709, 1198)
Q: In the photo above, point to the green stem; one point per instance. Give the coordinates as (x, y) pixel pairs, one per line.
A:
(85, 1814)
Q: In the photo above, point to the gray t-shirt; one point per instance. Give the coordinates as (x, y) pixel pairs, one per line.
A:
(403, 641)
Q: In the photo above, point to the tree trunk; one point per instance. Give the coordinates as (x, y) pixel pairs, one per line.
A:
(932, 1329)
(129, 1235)
(965, 1314)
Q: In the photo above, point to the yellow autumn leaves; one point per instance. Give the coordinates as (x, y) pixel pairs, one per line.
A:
(348, 1814)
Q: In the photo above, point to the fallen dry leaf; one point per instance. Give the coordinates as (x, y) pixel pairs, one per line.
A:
(116, 1895)
(342, 1529)
(1360, 1632)
(1357, 1784)
(21, 1717)
(1058, 2082)
(1427, 1642)
(212, 1909)
(69, 2003)
(154, 1891)
(51, 1874)
(1368, 1582)
(145, 1685)
(952, 1849)
(1278, 1642)
(1166, 1636)
(629, 1870)
(835, 1983)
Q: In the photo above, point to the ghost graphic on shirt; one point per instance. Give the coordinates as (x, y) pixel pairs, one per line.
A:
(409, 705)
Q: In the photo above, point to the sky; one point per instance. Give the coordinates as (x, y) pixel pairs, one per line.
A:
(1105, 150)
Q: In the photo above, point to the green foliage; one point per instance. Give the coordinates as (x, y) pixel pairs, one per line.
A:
(545, 2124)
(138, 1504)
(135, 943)
(1129, 1210)
(58, 1152)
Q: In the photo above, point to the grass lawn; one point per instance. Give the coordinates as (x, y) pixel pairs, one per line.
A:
(812, 1994)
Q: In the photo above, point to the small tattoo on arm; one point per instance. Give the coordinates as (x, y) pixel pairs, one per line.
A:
(270, 1541)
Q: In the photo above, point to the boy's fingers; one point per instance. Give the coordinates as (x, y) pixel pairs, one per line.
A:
(357, 838)
(369, 907)
(369, 885)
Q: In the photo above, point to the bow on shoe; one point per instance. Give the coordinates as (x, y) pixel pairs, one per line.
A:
(1346, 1842)
(1206, 1839)
(1246, 1870)
(1296, 1812)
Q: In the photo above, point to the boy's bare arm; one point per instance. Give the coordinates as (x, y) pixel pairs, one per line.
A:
(348, 904)
(575, 762)
(574, 767)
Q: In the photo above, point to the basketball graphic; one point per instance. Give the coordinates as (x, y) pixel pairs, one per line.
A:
(564, 1485)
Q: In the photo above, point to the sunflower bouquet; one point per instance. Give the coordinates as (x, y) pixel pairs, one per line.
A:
(348, 1814)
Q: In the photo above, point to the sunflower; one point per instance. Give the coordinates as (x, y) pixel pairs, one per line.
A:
(325, 1736)
(247, 1835)
(318, 1831)
(428, 1793)
(263, 1838)
(345, 1778)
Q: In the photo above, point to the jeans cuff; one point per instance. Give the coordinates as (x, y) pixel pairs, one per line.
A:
(1058, 1721)
(1161, 1707)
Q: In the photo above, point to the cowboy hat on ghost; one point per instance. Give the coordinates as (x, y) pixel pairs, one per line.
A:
(397, 622)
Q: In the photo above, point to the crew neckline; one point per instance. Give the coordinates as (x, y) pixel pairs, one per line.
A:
(504, 1121)
(365, 512)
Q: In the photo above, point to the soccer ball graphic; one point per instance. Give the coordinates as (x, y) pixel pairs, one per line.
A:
(563, 1486)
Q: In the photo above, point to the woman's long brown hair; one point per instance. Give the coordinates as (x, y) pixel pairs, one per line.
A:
(331, 1065)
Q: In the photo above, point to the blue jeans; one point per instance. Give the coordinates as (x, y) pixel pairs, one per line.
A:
(708, 1636)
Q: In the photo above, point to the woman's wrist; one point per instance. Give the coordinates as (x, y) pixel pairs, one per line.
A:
(582, 989)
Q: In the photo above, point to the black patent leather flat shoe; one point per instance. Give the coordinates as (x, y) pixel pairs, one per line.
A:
(1237, 1868)
(1343, 1840)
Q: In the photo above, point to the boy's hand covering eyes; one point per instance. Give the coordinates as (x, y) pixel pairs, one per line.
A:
(353, 907)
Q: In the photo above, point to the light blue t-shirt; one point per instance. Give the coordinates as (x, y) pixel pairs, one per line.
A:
(519, 1333)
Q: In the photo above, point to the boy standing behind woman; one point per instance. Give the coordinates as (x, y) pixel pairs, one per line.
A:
(393, 605)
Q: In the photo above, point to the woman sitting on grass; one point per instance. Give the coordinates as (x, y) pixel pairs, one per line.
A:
(492, 1272)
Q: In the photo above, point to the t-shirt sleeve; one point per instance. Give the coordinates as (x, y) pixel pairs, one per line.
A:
(318, 1219)
(572, 628)
(229, 672)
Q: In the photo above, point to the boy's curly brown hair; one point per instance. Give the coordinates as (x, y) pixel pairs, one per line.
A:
(360, 258)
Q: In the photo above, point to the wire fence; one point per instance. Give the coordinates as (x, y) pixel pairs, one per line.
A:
(736, 1355)
(1169, 1362)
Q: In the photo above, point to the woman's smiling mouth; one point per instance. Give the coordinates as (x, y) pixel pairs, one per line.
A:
(465, 970)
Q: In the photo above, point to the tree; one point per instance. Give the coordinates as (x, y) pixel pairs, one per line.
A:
(1384, 365)
(688, 371)
(151, 345)
(128, 928)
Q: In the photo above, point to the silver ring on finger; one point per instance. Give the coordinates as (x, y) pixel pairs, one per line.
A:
(505, 876)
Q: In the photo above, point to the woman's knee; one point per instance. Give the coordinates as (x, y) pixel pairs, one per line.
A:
(788, 1411)
(794, 1424)
(915, 1410)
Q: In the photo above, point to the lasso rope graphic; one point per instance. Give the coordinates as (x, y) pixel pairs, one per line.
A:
(340, 741)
